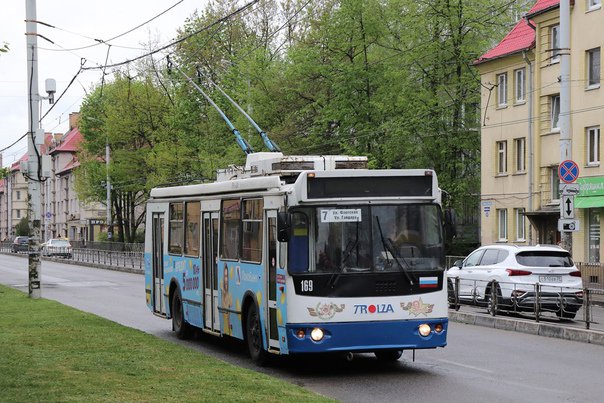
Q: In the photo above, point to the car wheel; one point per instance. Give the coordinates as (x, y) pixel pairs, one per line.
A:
(179, 325)
(254, 337)
(451, 294)
(388, 355)
(493, 306)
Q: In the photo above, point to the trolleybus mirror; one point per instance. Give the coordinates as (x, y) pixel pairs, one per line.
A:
(283, 226)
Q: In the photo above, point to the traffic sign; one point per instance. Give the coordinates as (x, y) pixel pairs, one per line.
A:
(568, 171)
(568, 225)
(568, 206)
(567, 189)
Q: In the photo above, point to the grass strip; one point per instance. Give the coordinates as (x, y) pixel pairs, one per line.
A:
(50, 352)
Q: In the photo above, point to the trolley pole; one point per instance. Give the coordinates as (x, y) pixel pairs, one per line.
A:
(33, 164)
(565, 126)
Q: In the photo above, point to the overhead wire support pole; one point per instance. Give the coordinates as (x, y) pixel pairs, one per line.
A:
(271, 145)
(33, 163)
(240, 140)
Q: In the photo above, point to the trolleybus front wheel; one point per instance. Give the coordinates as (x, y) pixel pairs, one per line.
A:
(182, 328)
(254, 337)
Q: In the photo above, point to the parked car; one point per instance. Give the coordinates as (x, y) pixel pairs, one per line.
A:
(57, 247)
(20, 244)
(510, 275)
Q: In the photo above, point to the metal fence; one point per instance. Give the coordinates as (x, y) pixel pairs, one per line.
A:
(129, 260)
(532, 299)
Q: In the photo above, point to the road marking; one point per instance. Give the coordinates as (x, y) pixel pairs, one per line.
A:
(467, 366)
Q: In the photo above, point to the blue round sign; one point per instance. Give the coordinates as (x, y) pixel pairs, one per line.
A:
(568, 171)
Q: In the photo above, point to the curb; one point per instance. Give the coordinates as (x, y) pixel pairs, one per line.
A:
(535, 328)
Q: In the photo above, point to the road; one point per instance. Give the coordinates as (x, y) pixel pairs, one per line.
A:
(479, 364)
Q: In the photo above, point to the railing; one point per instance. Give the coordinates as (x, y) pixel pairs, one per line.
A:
(131, 260)
(529, 299)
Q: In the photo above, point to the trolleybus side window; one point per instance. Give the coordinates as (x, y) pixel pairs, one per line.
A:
(298, 243)
(192, 216)
(252, 230)
(176, 233)
(231, 227)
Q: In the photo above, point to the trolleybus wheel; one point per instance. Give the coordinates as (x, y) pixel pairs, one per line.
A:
(388, 355)
(182, 328)
(254, 336)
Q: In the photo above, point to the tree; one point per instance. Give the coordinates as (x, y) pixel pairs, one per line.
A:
(130, 115)
(22, 227)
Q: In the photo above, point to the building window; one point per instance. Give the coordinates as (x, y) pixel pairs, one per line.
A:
(555, 43)
(502, 89)
(593, 4)
(520, 86)
(502, 224)
(502, 166)
(18, 195)
(593, 146)
(593, 68)
(594, 236)
(555, 184)
(555, 109)
(520, 153)
(18, 213)
(520, 224)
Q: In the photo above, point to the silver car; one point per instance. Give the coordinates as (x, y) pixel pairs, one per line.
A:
(517, 278)
(57, 247)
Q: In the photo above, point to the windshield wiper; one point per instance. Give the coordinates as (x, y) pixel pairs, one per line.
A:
(389, 248)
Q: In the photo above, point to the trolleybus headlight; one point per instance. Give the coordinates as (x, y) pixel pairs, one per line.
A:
(317, 334)
(438, 328)
(424, 330)
(300, 333)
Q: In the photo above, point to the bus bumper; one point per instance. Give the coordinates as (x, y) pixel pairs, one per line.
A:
(366, 336)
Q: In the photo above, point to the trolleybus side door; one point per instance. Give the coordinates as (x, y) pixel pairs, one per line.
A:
(210, 272)
(158, 263)
(270, 264)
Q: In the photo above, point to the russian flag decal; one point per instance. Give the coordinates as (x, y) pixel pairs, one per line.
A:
(428, 282)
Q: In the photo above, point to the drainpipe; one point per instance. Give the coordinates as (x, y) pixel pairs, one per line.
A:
(530, 138)
(565, 133)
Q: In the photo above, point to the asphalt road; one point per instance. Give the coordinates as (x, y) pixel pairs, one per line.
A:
(479, 364)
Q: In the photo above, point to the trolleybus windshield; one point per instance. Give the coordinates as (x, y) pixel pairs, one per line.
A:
(357, 239)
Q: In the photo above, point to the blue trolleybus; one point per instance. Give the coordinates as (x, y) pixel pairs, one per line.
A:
(302, 254)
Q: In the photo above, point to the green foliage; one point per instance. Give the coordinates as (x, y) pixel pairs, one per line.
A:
(22, 227)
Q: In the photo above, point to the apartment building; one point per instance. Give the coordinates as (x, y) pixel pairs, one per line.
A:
(520, 131)
(63, 214)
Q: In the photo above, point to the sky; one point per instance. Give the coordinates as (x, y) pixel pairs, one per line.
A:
(76, 24)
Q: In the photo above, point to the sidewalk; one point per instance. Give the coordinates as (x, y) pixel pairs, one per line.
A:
(560, 331)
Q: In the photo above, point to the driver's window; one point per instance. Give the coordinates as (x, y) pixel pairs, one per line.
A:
(473, 259)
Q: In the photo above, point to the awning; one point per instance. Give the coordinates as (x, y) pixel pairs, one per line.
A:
(589, 201)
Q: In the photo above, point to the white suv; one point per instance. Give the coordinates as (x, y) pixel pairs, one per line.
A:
(514, 278)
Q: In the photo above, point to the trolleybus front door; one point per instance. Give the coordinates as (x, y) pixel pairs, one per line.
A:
(271, 275)
(158, 263)
(210, 272)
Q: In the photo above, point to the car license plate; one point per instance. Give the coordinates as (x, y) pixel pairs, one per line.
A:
(550, 279)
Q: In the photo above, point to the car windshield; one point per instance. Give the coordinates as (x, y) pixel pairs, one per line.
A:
(544, 259)
(59, 242)
(366, 238)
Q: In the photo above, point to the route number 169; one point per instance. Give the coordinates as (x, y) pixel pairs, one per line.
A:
(306, 285)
